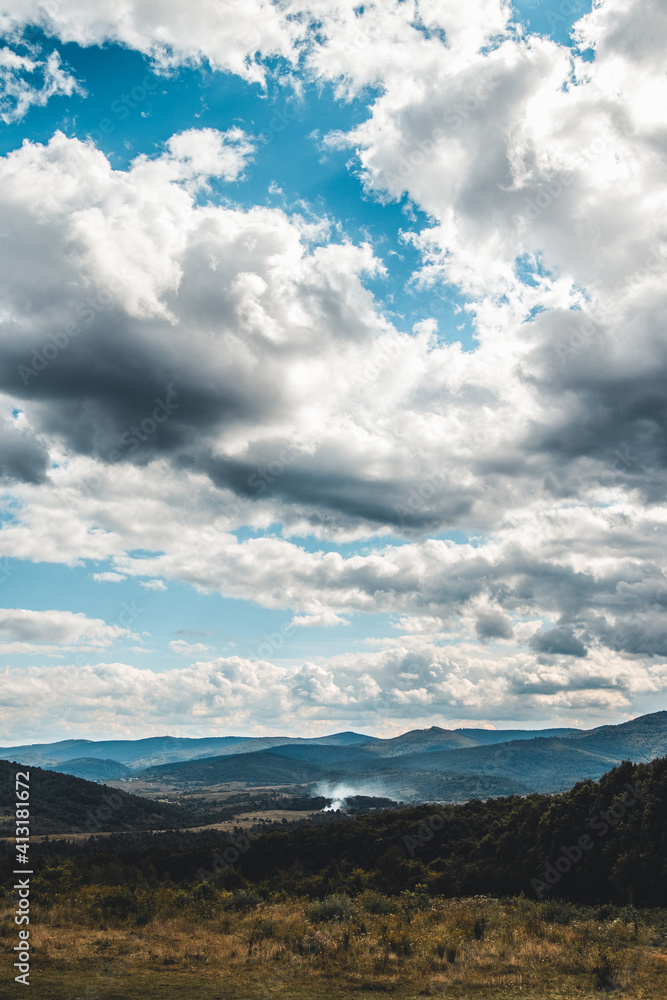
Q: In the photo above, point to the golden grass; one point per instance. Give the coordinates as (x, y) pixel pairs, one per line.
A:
(456, 948)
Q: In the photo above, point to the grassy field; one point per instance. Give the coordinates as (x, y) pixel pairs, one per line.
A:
(340, 948)
(244, 821)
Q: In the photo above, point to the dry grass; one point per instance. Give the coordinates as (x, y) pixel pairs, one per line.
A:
(467, 948)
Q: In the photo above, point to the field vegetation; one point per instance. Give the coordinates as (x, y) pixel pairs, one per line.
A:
(222, 944)
(479, 900)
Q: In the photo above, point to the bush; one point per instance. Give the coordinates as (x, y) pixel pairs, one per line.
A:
(555, 912)
(242, 900)
(335, 907)
(375, 902)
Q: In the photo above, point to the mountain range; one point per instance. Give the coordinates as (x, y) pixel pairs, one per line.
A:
(421, 765)
(139, 754)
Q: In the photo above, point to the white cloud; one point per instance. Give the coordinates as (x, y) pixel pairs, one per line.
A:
(395, 689)
(18, 93)
(109, 577)
(184, 648)
(227, 34)
(322, 619)
(153, 585)
(288, 397)
(24, 631)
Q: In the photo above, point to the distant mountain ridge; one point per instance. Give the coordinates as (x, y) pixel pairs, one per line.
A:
(420, 765)
(433, 764)
(483, 737)
(154, 750)
(427, 740)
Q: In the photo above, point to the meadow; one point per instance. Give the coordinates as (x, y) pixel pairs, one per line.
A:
(478, 901)
(229, 947)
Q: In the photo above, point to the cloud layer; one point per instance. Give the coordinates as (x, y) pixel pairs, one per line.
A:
(54, 632)
(175, 366)
(391, 691)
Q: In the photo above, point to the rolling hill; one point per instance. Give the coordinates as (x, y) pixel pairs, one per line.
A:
(254, 770)
(484, 737)
(61, 803)
(93, 769)
(430, 765)
(156, 750)
(433, 764)
(427, 740)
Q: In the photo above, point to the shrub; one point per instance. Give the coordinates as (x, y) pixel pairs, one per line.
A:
(334, 907)
(375, 902)
(243, 900)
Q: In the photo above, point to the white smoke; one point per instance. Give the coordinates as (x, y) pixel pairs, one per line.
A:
(340, 792)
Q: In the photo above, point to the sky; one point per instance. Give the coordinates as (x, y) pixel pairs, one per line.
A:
(332, 366)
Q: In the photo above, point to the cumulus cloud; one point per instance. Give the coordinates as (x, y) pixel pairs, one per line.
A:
(541, 174)
(558, 640)
(23, 457)
(184, 648)
(184, 367)
(398, 689)
(18, 91)
(227, 35)
(24, 631)
(325, 619)
(493, 625)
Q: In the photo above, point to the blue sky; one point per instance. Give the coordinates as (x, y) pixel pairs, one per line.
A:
(437, 439)
(311, 179)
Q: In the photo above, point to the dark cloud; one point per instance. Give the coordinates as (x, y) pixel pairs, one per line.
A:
(22, 457)
(558, 641)
(493, 625)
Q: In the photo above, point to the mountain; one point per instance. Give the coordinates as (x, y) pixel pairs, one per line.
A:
(420, 739)
(539, 766)
(432, 764)
(341, 739)
(155, 750)
(61, 803)
(483, 737)
(326, 755)
(94, 770)
(259, 769)
(639, 739)
(423, 764)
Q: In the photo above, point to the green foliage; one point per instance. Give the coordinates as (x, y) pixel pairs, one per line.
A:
(332, 908)
(391, 860)
(61, 803)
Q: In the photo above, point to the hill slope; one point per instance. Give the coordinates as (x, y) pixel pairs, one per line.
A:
(258, 769)
(418, 740)
(415, 768)
(643, 738)
(156, 750)
(484, 737)
(61, 803)
(93, 769)
(502, 847)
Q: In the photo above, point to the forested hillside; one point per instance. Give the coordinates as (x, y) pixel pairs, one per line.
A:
(602, 841)
(61, 803)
